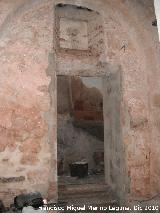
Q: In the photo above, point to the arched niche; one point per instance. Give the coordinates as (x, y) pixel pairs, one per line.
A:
(79, 31)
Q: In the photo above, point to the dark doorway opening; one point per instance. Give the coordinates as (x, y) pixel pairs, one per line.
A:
(80, 133)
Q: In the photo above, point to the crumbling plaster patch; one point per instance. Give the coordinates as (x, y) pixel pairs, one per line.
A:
(25, 51)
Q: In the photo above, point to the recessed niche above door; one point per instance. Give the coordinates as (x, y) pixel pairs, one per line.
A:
(73, 34)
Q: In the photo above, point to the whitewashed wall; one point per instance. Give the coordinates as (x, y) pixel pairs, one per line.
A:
(157, 10)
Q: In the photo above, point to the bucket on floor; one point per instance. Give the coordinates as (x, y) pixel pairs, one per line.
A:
(79, 169)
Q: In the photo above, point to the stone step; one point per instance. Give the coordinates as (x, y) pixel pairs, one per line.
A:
(95, 195)
(107, 195)
(79, 188)
(88, 193)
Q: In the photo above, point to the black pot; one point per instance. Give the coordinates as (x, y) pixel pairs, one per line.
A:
(79, 169)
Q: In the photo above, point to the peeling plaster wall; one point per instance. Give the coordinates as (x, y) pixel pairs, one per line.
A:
(28, 91)
(26, 117)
